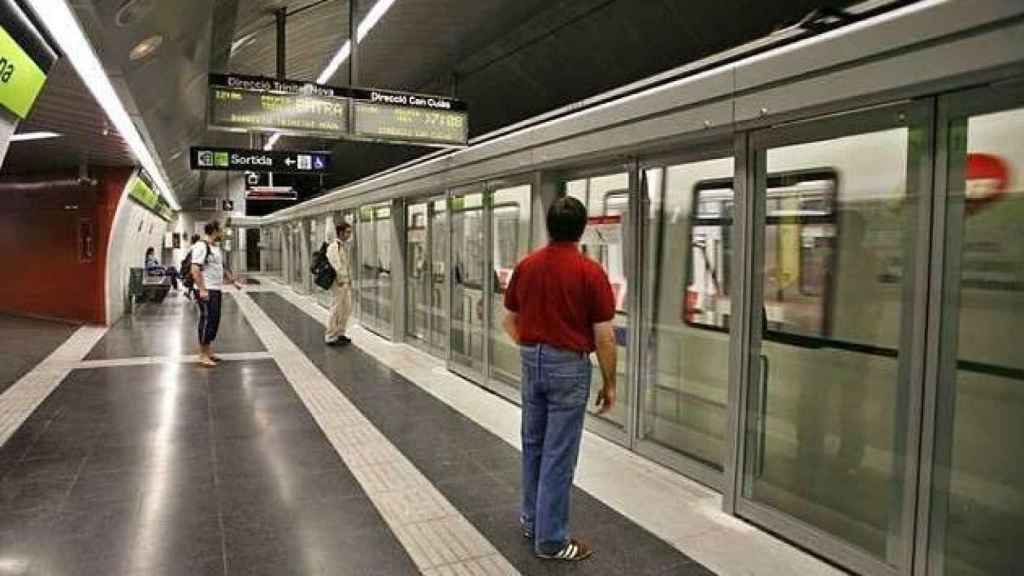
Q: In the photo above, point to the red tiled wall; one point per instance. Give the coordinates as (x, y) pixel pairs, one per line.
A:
(44, 273)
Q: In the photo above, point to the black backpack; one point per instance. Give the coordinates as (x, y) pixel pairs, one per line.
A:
(324, 275)
(185, 271)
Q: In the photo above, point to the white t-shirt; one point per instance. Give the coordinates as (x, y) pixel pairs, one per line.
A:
(212, 267)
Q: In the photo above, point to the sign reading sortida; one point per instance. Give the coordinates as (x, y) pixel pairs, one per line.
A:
(25, 57)
(214, 158)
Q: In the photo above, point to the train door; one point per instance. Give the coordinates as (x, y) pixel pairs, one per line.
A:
(468, 271)
(974, 501)
(509, 208)
(687, 201)
(837, 222)
(609, 240)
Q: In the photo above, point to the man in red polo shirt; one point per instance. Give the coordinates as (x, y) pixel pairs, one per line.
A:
(561, 309)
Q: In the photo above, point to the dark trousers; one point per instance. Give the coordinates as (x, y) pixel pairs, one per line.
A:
(209, 317)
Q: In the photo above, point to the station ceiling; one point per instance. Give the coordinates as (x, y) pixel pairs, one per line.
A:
(509, 59)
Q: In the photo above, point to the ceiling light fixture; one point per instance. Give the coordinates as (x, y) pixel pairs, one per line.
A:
(146, 47)
(34, 136)
(60, 22)
(270, 143)
(371, 19)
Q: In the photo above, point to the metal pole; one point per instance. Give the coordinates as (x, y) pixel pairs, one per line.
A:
(353, 59)
(281, 14)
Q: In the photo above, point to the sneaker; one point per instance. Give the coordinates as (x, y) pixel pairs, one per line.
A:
(573, 551)
(527, 531)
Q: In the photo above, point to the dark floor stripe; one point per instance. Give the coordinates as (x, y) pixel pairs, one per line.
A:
(474, 469)
(176, 469)
(26, 343)
(169, 328)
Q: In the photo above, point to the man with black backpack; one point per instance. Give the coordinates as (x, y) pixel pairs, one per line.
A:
(337, 258)
(208, 273)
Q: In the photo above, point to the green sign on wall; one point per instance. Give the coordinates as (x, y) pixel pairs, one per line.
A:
(21, 79)
(141, 191)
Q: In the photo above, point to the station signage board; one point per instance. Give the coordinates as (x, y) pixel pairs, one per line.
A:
(235, 159)
(141, 190)
(411, 118)
(271, 193)
(255, 103)
(252, 103)
(25, 59)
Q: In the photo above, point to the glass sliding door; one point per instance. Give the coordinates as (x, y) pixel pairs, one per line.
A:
(836, 290)
(366, 282)
(977, 498)
(608, 241)
(298, 241)
(418, 276)
(374, 283)
(469, 280)
(437, 217)
(685, 333)
(510, 208)
(426, 235)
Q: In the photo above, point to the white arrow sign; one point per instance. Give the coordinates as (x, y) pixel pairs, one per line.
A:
(289, 161)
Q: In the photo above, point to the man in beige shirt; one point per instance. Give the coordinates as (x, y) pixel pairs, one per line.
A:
(337, 255)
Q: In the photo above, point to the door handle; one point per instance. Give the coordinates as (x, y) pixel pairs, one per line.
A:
(762, 415)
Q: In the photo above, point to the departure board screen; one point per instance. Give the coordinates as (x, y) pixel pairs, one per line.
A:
(238, 109)
(426, 125)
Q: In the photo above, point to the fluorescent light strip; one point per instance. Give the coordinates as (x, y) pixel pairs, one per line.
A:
(371, 19)
(270, 143)
(56, 15)
(24, 136)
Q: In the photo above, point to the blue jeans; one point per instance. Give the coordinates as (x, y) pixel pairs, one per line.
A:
(556, 385)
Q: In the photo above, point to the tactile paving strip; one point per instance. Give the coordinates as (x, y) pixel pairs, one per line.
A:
(438, 538)
(19, 401)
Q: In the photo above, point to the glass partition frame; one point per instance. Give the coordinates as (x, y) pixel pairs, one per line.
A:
(938, 436)
(751, 215)
(629, 364)
(494, 297)
(474, 374)
(697, 151)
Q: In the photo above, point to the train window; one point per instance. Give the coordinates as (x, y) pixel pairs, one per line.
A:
(468, 217)
(604, 240)
(800, 229)
(506, 242)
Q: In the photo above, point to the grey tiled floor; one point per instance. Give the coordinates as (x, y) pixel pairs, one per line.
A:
(475, 470)
(169, 329)
(26, 342)
(174, 469)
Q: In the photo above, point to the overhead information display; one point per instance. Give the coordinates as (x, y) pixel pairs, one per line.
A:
(243, 104)
(403, 124)
(234, 159)
(255, 103)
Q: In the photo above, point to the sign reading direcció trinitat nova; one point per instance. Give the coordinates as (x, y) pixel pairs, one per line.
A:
(255, 103)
